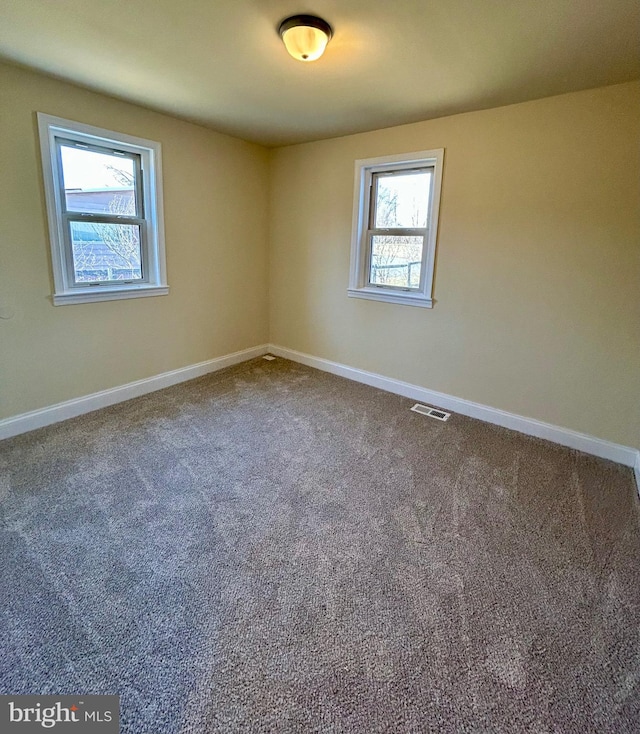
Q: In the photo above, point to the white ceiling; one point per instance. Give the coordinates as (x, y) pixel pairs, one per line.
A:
(222, 64)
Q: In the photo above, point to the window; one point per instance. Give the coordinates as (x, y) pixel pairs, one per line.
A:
(395, 222)
(103, 192)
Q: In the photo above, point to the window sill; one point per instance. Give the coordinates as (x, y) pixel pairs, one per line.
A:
(107, 293)
(398, 297)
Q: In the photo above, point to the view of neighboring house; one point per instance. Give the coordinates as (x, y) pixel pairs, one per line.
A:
(103, 251)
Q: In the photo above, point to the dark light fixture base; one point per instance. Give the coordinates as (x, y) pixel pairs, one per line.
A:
(311, 21)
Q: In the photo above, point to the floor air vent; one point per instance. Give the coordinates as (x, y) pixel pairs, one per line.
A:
(270, 357)
(431, 412)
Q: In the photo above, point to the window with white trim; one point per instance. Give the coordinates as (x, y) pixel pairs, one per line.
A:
(395, 226)
(103, 192)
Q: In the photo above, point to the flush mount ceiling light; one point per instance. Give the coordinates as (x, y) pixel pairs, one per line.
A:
(305, 36)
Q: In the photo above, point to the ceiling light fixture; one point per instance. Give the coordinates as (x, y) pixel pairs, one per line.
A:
(305, 36)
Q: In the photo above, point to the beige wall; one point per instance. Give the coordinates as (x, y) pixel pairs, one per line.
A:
(538, 265)
(537, 279)
(215, 192)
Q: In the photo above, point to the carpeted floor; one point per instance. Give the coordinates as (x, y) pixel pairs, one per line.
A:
(275, 549)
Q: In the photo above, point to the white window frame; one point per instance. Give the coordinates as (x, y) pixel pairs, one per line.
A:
(365, 169)
(150, 219)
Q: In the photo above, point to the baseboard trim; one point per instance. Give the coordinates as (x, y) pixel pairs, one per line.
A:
(71, 408)
(564, 436)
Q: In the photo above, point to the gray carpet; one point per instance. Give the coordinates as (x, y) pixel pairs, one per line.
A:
(274, 549)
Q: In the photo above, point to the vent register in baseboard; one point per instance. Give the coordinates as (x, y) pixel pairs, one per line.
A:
(431, 412)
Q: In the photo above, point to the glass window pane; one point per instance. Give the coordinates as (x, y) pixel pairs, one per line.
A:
(105, 252)
(396, 261)
(402, 199)
(99, 183)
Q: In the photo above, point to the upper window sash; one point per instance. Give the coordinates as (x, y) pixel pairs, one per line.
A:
(135, 158)
(374, 180)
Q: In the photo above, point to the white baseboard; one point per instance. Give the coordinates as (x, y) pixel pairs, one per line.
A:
(71, 408)
(564, 436)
